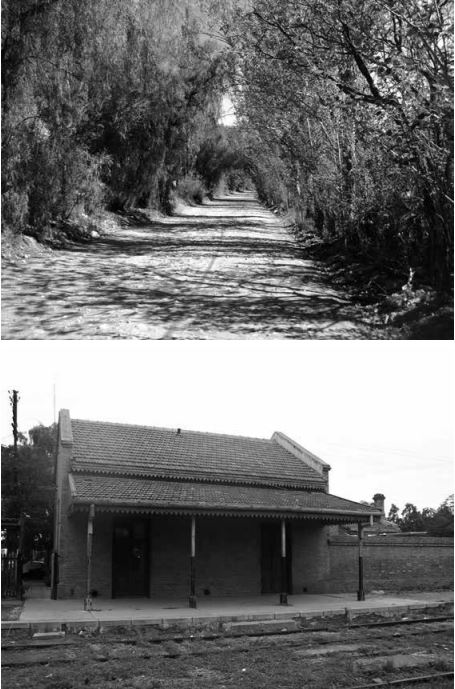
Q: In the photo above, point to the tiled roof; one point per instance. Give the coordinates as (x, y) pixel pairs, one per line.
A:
(103, 447)
(149, 494)
(379, 527)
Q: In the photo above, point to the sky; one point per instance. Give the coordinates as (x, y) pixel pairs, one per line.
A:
(227, 115)
(380, 413)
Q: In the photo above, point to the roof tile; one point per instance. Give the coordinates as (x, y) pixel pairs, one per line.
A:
(181, 495)
(104, 447)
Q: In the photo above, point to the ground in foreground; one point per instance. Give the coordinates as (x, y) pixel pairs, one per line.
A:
(228, 269)
(324, 655)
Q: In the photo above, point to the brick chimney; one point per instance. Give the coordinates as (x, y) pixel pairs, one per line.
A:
(378, 500)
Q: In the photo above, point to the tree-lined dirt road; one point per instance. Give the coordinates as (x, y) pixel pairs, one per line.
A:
(228, 269)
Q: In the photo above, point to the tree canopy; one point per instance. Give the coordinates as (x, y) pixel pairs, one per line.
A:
(103, 102)
(28, 486)
(436, 522)
(350, 106)
(344, 114)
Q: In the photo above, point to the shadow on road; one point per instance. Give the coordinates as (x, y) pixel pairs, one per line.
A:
(231, 272)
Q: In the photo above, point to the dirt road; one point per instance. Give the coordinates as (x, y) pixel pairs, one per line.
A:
(224, 270)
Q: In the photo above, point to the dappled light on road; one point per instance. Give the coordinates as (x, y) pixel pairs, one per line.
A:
(227, 269)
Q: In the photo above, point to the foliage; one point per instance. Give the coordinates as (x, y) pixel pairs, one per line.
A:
(393, 515)
(28, 485)
(354, 100)
(190, 188)
(219, 155)
(344, 114)
(436, 522)
(102, 102)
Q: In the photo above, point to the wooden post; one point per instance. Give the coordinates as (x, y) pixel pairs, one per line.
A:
(360, 592)
(88, 603)
(192, 599)
(284, 585)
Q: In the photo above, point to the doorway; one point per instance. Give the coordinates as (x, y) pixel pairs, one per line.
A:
(130, 557)
(271, 558)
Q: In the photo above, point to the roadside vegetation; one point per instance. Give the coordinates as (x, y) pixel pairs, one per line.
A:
(344, 124)
(348, 109)
(104, 104)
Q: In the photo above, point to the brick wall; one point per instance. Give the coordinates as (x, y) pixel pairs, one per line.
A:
(310, 557)
(169, 556)
(73, 556)
(391, 563)
(227, 556)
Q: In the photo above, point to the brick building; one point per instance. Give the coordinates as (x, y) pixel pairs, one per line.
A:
(144, 511)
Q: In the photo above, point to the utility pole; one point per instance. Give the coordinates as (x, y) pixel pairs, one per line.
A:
(14, 398)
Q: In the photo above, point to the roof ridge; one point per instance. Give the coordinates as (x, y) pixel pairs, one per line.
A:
(166, 428)
(370, 506)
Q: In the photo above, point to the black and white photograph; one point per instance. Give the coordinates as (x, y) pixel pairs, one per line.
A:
(245, 169)
(227, 359)
(197, 517)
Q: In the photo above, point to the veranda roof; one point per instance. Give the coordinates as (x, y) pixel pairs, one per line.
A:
(121, 493)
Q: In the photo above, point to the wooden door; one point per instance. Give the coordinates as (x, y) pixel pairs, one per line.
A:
(130, 557)
(271, 558)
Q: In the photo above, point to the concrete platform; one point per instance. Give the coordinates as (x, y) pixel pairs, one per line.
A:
(48, 615)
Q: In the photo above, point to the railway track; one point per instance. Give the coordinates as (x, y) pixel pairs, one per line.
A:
(287, 638)
(420, 648)
(178, 638)
(409, 681)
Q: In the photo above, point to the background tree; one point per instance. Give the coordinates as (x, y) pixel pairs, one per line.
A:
(435, 522)
(28, 486)
(411, 519)
(393, 514)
